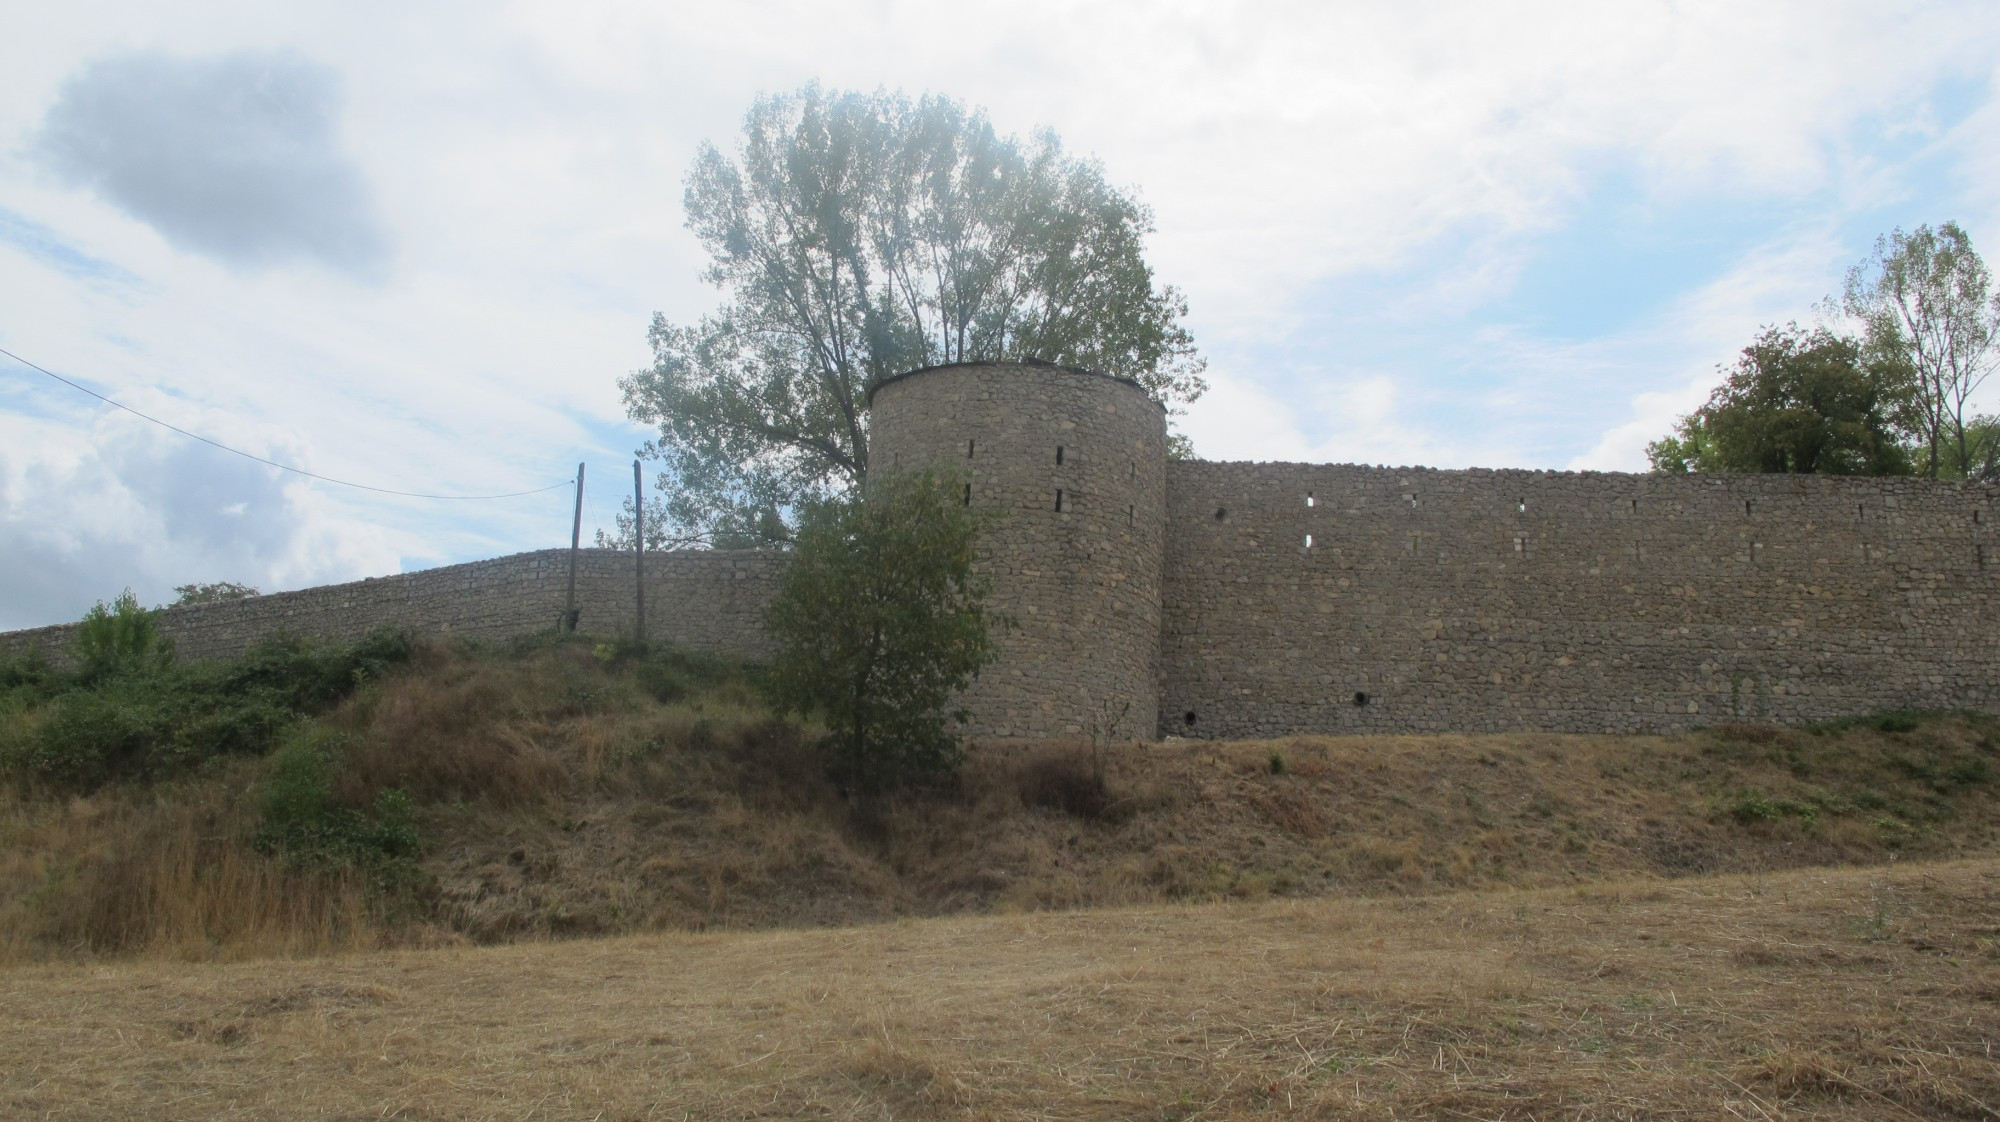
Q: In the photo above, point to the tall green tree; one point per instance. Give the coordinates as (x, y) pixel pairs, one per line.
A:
(1926, 301)
(881, 621)
(857, 236)
(1795, 401)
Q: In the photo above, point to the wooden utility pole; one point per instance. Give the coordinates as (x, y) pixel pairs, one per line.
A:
(575, 535)
(639, 551)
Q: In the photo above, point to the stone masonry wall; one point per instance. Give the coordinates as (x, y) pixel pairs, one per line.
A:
(1224, 600)
(1079, 575)
(699, 599)
(1474, 601)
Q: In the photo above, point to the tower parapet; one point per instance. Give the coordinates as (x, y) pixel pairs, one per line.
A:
(1073, 465)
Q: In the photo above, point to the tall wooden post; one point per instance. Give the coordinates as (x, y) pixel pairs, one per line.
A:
(639, 552)
(575, 536)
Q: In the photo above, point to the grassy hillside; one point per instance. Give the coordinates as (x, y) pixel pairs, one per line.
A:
(449, 795)
(1825, 994)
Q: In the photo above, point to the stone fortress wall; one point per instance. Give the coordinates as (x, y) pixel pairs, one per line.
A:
(706, 600)
(1481, 601)
(1241, 599)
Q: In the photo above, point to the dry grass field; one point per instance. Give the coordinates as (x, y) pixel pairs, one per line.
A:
(1858, 993)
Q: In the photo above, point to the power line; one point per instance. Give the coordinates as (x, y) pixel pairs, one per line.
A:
(262, 460)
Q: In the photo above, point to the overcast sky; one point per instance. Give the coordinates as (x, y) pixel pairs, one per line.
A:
(416, 245)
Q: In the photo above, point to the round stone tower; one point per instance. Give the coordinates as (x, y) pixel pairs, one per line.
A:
(1074, 465)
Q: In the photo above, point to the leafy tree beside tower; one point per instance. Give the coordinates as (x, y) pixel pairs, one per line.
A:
(858, 236)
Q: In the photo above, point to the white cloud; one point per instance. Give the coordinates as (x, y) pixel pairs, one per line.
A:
(126, 503)
(525, 163)
(234, 156)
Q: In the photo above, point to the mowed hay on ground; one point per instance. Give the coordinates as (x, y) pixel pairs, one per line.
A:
(1851, 994)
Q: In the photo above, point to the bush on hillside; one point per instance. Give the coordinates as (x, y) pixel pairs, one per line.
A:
(120, 637)
(134, 714)
(880, 622)
(300, 819)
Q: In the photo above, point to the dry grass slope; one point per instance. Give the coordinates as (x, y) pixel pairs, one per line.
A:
(1813, 994)
(562, 796)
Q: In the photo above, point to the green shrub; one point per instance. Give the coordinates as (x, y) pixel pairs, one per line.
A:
(120, 636)
(137, 715)
(84, 739)
(299, 818)
(26, 681)
(881, 621)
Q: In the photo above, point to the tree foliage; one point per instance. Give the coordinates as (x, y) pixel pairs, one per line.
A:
(858, 236)
(881, 621)
(120, 636)
(217, 592)
(1925, 299)
(1795, 401)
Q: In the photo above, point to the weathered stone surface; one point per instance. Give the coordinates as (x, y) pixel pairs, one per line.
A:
(1473, 601)
(1426, 601)
(702, 600)
(1082, 583)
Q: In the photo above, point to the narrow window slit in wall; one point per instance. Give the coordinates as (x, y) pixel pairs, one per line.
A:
(1979, 557)
(968, 449)
(1131, 509)
(1309, 500)
(1059, 504)
(1635, 506)
(1059, 455)
(968, 495)
(1975, 518)
(1746, 508)
(1521, 507)
(1309, 541)
(1861, 510)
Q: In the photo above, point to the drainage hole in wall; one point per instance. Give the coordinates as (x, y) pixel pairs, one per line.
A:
(1189, 718)
(1220, 514)
(1360, 698)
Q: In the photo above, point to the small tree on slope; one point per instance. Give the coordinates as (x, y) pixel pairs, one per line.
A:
(881, 622)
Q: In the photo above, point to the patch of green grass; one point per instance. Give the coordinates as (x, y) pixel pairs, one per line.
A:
(1748, 806)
